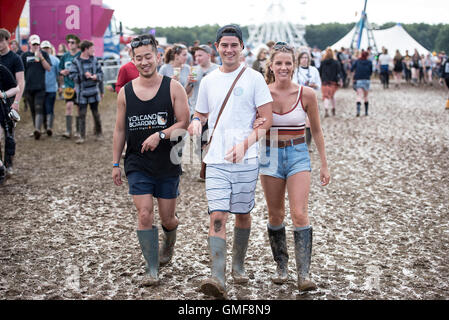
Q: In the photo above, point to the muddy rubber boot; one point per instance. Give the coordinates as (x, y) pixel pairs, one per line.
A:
(278, 243)
(49, 121)
(366, 108)
(97, 125)
(82, 130)
(359, 105)
(39, 123)
(149, 244)
(2, 173)
(168, 246)
(241, 238)
(216, 285)
(68, 127)
(77, 127)
(303, 254)
(333, 111)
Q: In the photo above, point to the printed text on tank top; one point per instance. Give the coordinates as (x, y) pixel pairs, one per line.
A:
(290, 123)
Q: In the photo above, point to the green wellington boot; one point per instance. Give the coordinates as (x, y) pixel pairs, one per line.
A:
(149, 244)
(216, 285)
(241, 237)
(168, 246)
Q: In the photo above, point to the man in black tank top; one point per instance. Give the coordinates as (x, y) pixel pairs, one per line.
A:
(152, 111)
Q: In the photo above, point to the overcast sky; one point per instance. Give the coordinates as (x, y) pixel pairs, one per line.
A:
(163, 13)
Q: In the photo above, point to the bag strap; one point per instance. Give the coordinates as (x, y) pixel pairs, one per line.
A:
(226, 101)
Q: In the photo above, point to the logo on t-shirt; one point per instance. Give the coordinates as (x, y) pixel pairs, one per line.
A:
(162, 118)
(148, 121)
(238, 91)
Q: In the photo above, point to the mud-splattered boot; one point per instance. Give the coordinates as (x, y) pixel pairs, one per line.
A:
(149, 244)
(168, 246)
(241, 237)
(216, 285)
(303, 253)
(68, 124)
(278, 243)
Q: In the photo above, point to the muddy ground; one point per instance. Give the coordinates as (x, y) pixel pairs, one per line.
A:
(381, 228)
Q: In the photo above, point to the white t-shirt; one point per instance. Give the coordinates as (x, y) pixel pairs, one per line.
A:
(303, 76)
(236, 122)
(384, 59)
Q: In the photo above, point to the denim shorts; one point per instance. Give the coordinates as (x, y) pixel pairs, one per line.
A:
(362, 84)
(284, 162)
(141, 184)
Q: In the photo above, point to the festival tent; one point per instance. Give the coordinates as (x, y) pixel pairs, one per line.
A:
(394, 38)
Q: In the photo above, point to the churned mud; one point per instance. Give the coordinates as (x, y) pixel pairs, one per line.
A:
(380, 227)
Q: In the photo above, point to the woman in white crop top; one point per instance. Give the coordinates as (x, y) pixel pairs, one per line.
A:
(286, 164)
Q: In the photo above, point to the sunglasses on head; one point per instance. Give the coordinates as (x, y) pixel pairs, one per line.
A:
(282, 45)
(71, 41)
(179, 47)
(141, 42)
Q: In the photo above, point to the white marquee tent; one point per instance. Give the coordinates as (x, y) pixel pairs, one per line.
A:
(392, 38)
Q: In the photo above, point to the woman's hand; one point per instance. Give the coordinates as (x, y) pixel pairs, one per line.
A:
(324, 176)
(258, 122)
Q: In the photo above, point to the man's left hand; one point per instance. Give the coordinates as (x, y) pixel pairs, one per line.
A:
(151, 142)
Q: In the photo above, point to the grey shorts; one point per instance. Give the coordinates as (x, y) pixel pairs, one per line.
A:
(231, 187)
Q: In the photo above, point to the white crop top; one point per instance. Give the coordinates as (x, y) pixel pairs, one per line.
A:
(292, 122)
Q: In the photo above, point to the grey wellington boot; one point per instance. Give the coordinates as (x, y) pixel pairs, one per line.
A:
(241, 237)
(39, 123)
(303, 253)
(77, 127)
(168, 246)
(216, 285)
(82, 130)
(278, 243)
(49, 120)
(149, 244)
(68, 124)
(97, 125)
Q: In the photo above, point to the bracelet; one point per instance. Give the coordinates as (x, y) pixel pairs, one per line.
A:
(5, 96)
(116, 165)
(196, 118)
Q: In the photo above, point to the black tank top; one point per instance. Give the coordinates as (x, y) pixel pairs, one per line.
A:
(144, 118)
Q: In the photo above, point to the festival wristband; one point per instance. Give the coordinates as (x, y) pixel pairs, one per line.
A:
(196, 118)
(116, 165)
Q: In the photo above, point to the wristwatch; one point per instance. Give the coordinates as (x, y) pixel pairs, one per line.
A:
(162, 135)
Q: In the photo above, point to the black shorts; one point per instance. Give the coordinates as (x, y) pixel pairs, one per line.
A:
(71, 100)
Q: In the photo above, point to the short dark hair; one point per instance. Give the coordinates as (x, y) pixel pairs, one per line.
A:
(4, 34)
(85, 44)
(137, 42)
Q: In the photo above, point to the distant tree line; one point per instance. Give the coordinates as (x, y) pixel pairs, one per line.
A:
(432, 37)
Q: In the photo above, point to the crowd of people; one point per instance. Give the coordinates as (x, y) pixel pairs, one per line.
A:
(241, 97)
(41, 75)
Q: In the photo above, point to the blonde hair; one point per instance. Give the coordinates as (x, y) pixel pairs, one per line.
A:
(328, 54)
(269, 75)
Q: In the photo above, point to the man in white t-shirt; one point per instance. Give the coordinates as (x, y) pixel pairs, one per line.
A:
(205, 66)
(232, 158)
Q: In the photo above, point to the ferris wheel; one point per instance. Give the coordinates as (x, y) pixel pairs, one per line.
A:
(277, 27)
